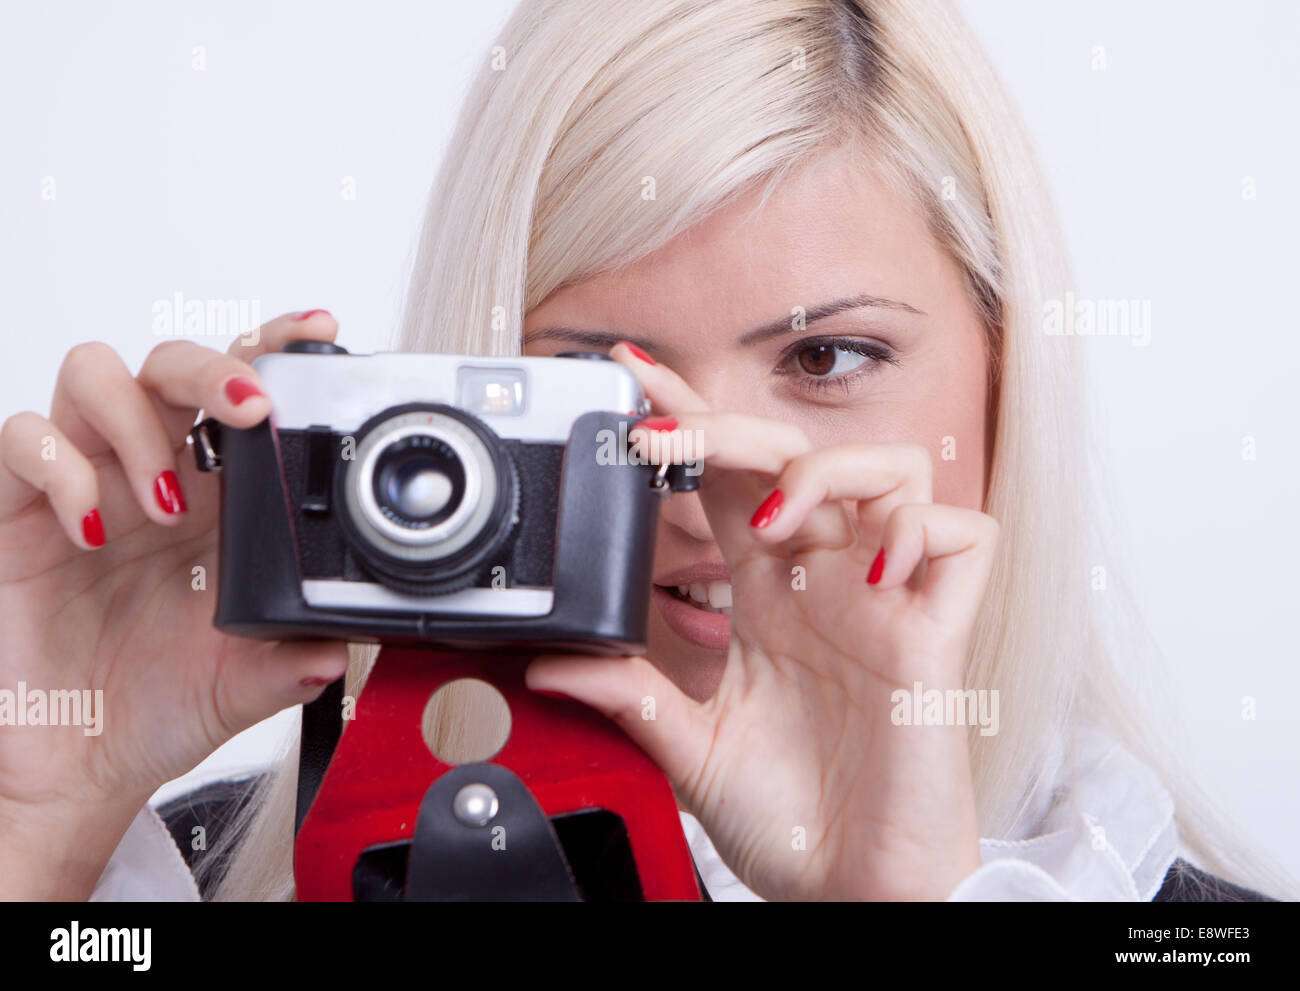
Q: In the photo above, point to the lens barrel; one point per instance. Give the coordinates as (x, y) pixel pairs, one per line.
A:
(430, 497)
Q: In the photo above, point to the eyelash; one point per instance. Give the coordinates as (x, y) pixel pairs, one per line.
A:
(818, 384)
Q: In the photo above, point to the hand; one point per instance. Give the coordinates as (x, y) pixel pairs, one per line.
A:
(126, 617)
(794, 768)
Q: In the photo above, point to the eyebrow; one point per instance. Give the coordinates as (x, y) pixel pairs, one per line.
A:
(775, 328)
(784, 325)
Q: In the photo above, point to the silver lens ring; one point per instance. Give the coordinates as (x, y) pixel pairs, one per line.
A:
(446, 537)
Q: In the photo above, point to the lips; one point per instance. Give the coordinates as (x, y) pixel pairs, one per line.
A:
(696, 602)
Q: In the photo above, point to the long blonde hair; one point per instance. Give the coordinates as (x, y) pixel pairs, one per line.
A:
(584, 102)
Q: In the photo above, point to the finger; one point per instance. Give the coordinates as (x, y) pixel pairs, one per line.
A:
(272, 336)
(916, 461)
(259, 683)
(91, 365)
(878, 477)
(737, 450)
(97, 393)
(37, 457)
(957, 546)
(183, 377)
(722, 440)
(667, 724)
(666, 390)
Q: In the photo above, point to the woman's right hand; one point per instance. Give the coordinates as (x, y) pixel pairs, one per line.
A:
(103, 520)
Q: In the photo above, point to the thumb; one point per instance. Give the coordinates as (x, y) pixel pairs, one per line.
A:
(260, 683)
(660, 718)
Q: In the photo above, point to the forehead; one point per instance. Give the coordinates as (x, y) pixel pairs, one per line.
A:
(829, 230)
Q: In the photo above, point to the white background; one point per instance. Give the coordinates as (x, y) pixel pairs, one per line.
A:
(226, 183)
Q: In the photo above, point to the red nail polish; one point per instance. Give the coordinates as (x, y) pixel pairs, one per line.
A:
(313, 682)
(877, 567)
(659, 424)
(239, 388)
(92, 528)
(767, 511)
(638, 352)
(167, 490)
(307, 313)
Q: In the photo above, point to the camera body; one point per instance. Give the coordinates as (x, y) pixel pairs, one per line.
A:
(458, 501)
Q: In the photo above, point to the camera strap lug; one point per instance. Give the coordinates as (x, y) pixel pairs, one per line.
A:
(670, 478)
(660, 482)
(206, 438)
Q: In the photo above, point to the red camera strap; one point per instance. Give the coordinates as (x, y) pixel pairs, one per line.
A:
(569, 757)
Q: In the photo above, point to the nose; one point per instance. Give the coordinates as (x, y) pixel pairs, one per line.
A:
(684, 513)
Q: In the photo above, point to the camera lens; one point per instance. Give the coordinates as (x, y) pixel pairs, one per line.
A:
(419, 481)
(430, 496)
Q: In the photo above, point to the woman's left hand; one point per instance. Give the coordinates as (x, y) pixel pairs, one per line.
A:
(795, 769)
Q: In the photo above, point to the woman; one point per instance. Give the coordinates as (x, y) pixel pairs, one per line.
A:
(815, 232)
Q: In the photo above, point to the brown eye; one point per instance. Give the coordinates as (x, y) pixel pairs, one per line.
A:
(823, 360)
(818, 360)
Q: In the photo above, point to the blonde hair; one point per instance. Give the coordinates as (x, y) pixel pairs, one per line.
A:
(542, 186)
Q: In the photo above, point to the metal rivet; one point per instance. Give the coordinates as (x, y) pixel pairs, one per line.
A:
(475, 805)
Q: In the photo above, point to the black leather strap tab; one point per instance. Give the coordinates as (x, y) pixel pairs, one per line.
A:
(322, 725)
(515, 856)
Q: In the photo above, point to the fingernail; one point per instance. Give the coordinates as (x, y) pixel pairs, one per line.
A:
(167, 490)
(239, 388)
(638, 352)
(877, 567)
(307, 313)
(659, 424)
(92, 528)
(766, 512)
(313, 682)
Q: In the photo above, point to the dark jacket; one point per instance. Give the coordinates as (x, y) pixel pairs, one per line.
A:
(214, 806)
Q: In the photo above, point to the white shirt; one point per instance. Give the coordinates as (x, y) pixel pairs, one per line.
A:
(1112, 838)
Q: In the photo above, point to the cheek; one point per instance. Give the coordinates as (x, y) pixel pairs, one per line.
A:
(957, 434)
(940, 404)
(940, 401)
(959, 481)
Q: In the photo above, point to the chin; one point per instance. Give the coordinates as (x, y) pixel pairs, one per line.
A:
(695, 670)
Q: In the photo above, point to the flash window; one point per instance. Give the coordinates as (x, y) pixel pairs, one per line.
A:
(491, 391)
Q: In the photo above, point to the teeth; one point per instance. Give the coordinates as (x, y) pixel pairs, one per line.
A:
(711, 597)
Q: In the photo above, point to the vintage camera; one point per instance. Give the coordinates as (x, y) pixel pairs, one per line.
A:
(460, 501)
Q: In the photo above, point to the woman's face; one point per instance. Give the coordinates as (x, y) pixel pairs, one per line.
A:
(885, 346)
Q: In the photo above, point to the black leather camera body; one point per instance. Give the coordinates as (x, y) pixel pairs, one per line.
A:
(453, 500)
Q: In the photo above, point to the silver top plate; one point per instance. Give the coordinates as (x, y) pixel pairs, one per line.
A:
(342, 391)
